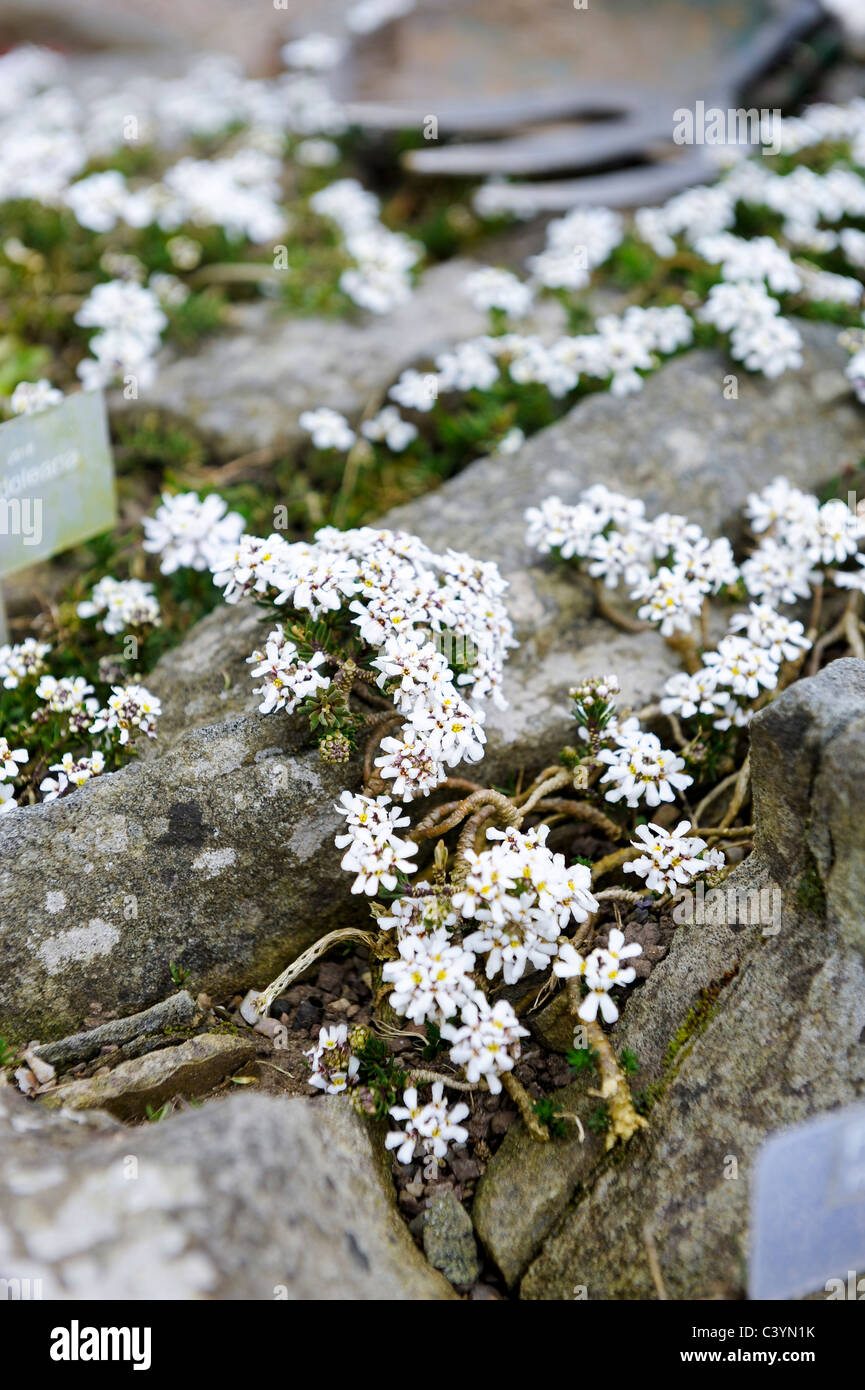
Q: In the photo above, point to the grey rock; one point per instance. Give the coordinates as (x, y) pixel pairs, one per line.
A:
(527, 1187)
(246, 1198)
(220, 837)
(808, 770)
(127, 1091)
(448, 1238)
(746, 1027)
(246, 387)
(177, 1011)
(208, 856)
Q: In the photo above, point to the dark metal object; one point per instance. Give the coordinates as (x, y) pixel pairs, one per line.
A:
(711, 50)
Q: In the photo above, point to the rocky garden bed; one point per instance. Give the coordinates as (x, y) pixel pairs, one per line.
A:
(429, 836)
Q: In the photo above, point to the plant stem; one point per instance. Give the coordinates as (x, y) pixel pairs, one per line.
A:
(308, 958)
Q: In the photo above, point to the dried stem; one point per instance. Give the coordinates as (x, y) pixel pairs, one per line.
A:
(581, 810)
(740, 791)
(523, 1101)
(308, 958)
(421, 1077)
(613, 861)
(487, 797)
(553, 784)
(614, 1085)
(683, 644)
(613, 615)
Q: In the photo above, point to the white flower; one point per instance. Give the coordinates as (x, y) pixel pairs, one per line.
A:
(65, 696)
(31, 397)
(743, 666)
(487, 1042)
(317, 153)
(780, 506)
(286, 678)
(670, 858)
(601, 970)
(389, 426)
(672, 600)
(10, 758)
(468, 367)
(332, 1063)
(190, 532)
(690, 695)
(512, 442)
(129, 707)
(73, 772)
(855, 580)
(639, 767)
(125, 603)
(778, 573)
(783, 638)
(416, 390)
(316, 52)
(328, 429)
(432, 1126)
(771, 347)
(22, 660)
(833, 536)
(7, 799)
(431, 979)
(489, 289)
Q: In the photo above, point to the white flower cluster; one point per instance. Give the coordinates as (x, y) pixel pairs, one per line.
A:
(640, 768)
(419, 610)
(523, 897)
(666, 563)
(72, 772)
(373, 851)
(286, 678)
(600, 971)
(191, 532)
(327, 429)
(52, 126)
(331, 1061)
(617, 352)
(21, 660)
(381, 276)
(576, 245)
(813, 206)
(130, 321)
(669, 859)
(129, 707)
(670, 568)
(500, 290)
(31, 397)
(431, 1127)
(513, 905)
(124, 602)
(11, 762)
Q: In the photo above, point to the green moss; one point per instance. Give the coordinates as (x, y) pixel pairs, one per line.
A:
(810, 893)
(695, 1023)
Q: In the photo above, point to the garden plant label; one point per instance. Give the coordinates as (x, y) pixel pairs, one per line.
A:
(56, 480)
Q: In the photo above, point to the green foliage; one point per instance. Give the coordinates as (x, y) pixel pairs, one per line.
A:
(383, 1079)
(7, 1053)
(434, 1044)
(600, 1120)
(155, 1115)
(179, 975)
(582, 1059)
(629, 1061)
(548, 1112)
